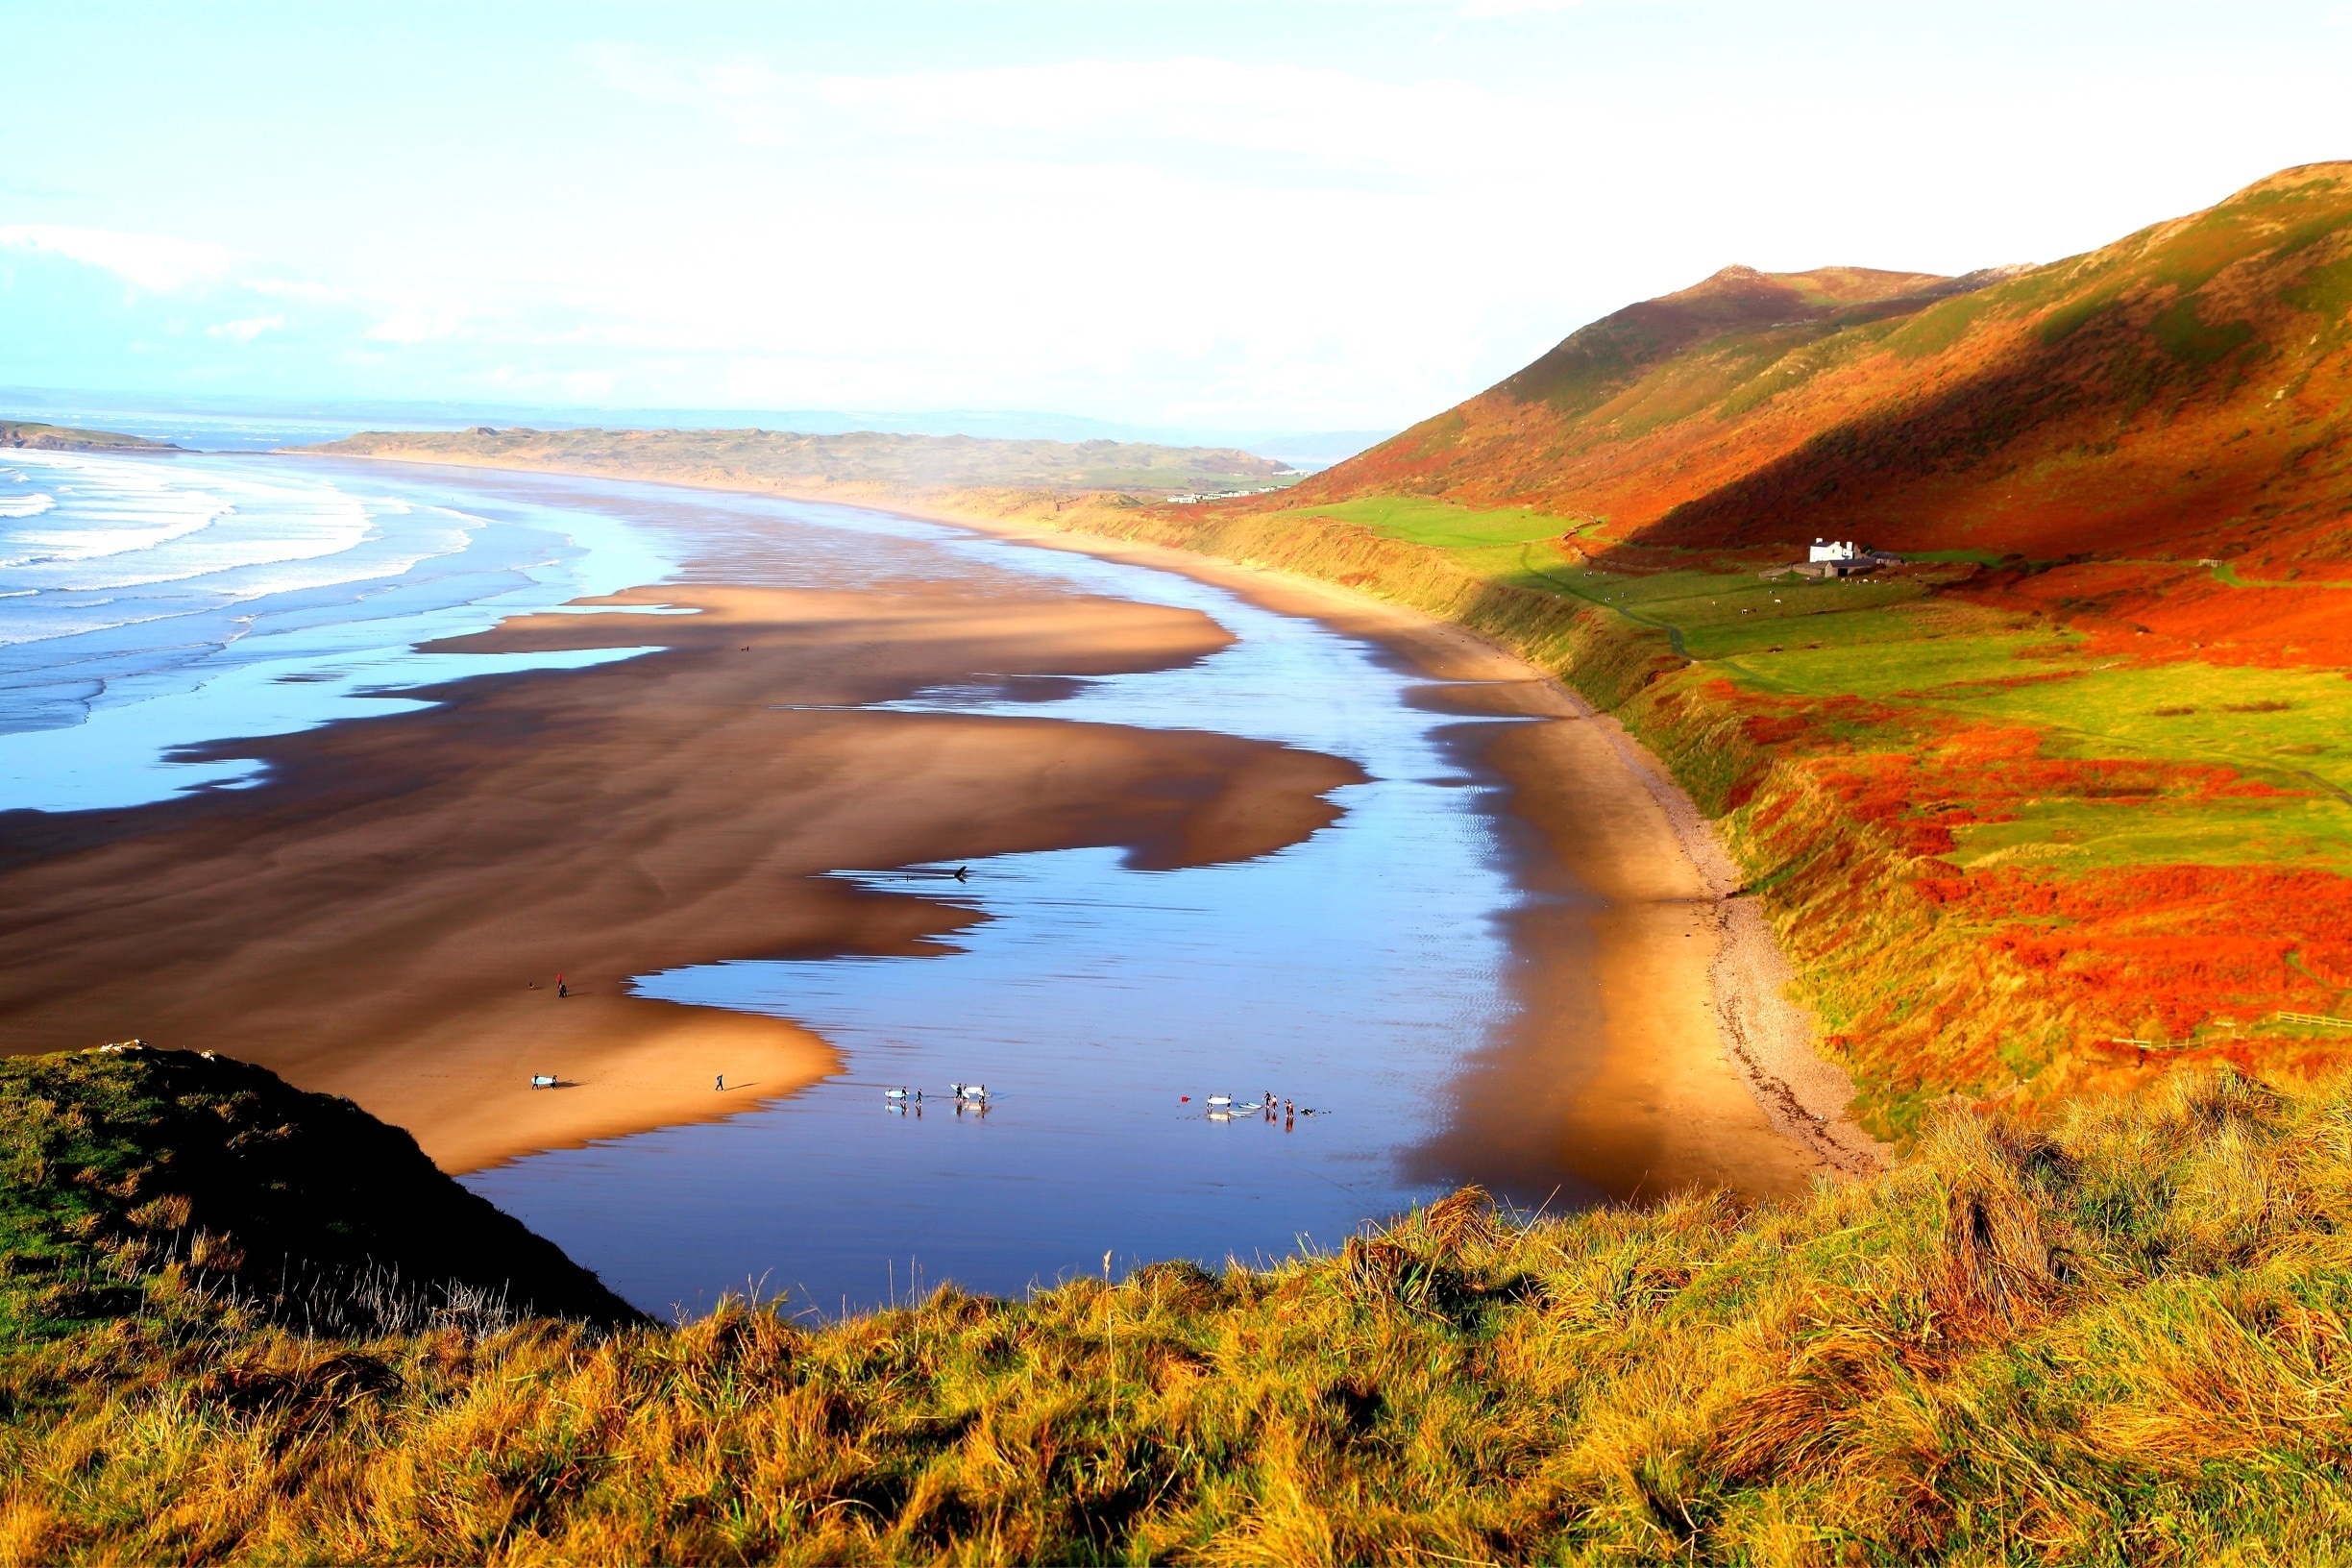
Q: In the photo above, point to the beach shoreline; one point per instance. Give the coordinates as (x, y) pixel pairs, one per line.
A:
(1725, 1105)
(388, 916)
(1710, 1075)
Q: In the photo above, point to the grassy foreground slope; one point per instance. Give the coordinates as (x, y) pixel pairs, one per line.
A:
(130, 1171)
(2061, 806)
(2119, 1337)
(862, 464)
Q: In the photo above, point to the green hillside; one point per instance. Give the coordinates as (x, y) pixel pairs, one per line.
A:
(137, 1178)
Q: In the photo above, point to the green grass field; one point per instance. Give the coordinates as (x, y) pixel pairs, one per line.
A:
(1890, 639)
(1445, 526)
(2008, 767)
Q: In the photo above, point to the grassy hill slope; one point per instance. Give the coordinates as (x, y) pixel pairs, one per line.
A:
(2118, 1339)
(2179, 393)
(2059, 807)
(132, 1172)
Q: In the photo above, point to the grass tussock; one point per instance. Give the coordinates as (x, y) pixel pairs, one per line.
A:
(2119, 1337)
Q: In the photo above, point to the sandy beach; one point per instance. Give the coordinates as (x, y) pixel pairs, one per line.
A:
(1638, 937)
(1655, 1038)
(560, 824)
(387, 918)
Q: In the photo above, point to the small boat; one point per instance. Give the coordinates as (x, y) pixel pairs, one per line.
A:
(893, 1093)
(1250, 1107)
(1221, 1100)
(543, 1080)
(973, 1091)
(1220, 1116)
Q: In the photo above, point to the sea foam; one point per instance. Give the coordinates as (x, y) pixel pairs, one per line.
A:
(140, 608)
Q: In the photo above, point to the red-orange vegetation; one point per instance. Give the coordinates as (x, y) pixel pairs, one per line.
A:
(2149, 445)
(2153, 611)
(2178, 946)
(2183, 392)
(1941, 972)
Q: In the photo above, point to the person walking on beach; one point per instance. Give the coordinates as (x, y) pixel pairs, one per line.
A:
(562, 989)
(719, 1084)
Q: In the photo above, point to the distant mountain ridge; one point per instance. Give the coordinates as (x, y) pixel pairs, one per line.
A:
(243, 423)
(2180, 392)
(861, 463)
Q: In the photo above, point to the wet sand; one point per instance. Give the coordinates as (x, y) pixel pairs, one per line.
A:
(1655, 1048)
(385, 917)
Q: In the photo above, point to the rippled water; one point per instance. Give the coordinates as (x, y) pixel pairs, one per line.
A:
(151, 605)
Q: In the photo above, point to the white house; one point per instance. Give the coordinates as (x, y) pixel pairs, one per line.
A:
(1835, 558)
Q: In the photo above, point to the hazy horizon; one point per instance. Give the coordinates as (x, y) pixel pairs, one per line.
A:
(236, 422)
(1292, 217)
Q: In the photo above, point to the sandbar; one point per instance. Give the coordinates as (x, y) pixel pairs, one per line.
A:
(1657, 1047)
(386, 916)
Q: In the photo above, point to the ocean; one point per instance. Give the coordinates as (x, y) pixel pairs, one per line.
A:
(153, 605)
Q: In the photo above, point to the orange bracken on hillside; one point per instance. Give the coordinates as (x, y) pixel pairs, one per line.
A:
(2137, 460)
(2179, 393)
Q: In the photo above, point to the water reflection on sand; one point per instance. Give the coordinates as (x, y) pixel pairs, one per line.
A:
(1352, 973)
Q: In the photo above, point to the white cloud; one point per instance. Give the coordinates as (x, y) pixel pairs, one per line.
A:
(739, 94)
(286, 288)
(159, 263)
(246, 329)
(417, 326)
(1110, 111)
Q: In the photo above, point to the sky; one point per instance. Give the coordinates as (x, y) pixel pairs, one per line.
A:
(1303, 215)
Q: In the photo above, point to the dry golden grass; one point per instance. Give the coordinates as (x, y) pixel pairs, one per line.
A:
(2118, 1339)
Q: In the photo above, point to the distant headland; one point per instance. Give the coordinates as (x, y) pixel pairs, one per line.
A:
(38, 437)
